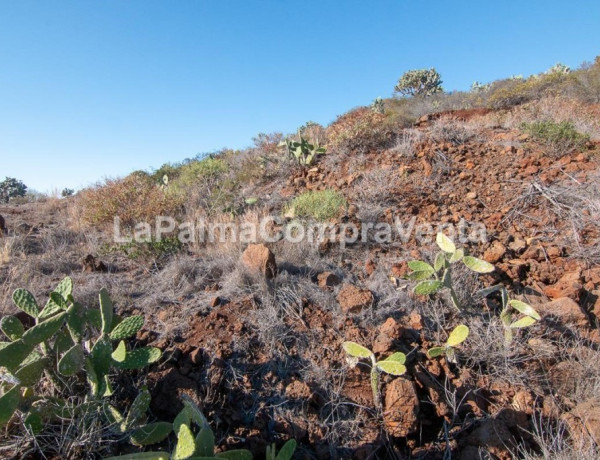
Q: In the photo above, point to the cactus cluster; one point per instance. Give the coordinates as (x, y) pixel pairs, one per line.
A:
(66, 342)
(422, 82)
(515, 314)
(436, 277)
(303, 152)
(393, 365)
(378, 106)
(195, 439)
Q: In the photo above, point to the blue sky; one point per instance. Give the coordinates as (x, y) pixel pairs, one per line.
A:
(98, 88)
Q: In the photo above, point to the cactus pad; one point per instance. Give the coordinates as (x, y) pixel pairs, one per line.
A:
(106, 311)
(12, 327)
(127, 328)
(139, 358)
(72, 361)
(44, 330)
(26, 302)
(151, 433)
(8, 403)
(30, 373)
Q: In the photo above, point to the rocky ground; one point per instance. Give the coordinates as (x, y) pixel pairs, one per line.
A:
(255, 335)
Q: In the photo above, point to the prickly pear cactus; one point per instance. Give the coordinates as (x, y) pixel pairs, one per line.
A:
(12, 327)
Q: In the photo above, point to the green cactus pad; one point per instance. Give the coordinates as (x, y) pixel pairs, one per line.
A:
(30, 374)
(419, 275)
(235, 454)
(186, 444)
(440, 261)
(94, 317)
(92, 377)
(205, 443)
(106, 311)
(139, 358)
(356, 350)
(445, 243)
(457, 256)
(65, 288)
(477, 265)
(72, 361)
(526, 321)
(44, 330)
(26, 302)
(9, 402)
(458, 335)
(34, 422)
(13, 354)
(428, 287)
(420, 266)
(436, 351)
(101, 356)
(62, 342)
(195, 413)
(12, 327)
(391, 367)
(76, 320)
(524, 308)
(138, 409)
(127, 328)
(151, 433)
(142, 456)
(287, 451)
(397, 357)
(120, 352)
(184, 417)
(55, 304)
(113, 416)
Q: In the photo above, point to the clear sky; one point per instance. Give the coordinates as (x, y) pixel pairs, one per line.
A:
(97, 88)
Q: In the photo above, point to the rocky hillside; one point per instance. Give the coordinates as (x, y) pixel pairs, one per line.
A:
(253, 331)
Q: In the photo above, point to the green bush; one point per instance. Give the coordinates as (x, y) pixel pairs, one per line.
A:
(11, 188)
(321, 205)
(559, 138)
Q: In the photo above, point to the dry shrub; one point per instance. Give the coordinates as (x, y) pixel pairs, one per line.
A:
(360, 131)
(555, 109)
(135, 198)
(452, 131)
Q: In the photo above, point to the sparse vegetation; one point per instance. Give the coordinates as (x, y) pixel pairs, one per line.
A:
(433, 278)
(508, 371)
(393, 365)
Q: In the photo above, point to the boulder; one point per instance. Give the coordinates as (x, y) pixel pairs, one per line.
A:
(566, 310)
(259, 259)
(584, 422)
(401, 408)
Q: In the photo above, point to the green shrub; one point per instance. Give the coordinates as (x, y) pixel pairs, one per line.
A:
(559, 138)
(321, 205)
